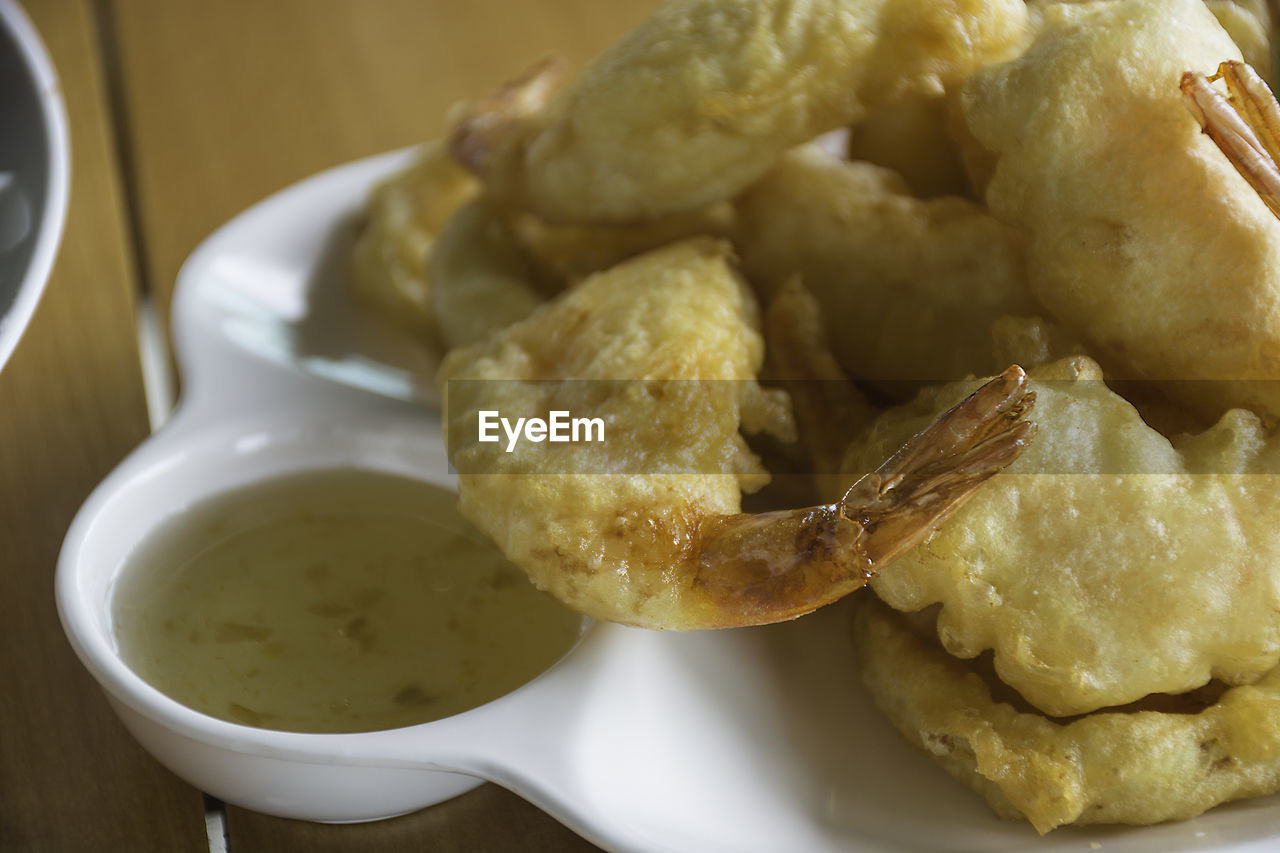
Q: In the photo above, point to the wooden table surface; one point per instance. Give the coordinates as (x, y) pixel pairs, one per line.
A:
(182, 113)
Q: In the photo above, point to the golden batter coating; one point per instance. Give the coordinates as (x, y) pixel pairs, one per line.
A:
(490, 267)
(700, 100)
(403, 216)
(1123, 766)
(1107, 563)
(1248, 22)
(645, 526)
(1143, 240)
(907, 288)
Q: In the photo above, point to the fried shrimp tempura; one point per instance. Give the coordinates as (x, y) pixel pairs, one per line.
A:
(1131, 765)
(908, 289)
(1143, 239)
(828, 406)
(403, 216)
(489, 270)
(1103, 618)
(483, 279)
(650, 531)
(569, 253)
(700, 100)
(1107, 563)
(1248, 22)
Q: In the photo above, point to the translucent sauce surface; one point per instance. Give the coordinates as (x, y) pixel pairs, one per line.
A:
(336, 601)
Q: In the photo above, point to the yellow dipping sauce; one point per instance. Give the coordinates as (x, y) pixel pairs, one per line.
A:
(335, 601)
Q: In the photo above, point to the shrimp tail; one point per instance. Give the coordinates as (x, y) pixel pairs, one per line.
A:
(767, 567)
(1244, 123)
(932, 475)
(481, 126)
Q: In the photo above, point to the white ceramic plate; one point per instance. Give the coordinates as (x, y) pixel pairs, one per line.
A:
(34, 165)
(715, 742)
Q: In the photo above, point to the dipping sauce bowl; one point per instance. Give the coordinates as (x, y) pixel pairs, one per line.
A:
(324, 777)
(250, 415)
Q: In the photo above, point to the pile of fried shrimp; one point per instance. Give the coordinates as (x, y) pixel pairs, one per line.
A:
(1000, 279)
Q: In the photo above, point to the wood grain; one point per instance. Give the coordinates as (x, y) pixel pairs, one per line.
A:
(486, 819)
(71, 406)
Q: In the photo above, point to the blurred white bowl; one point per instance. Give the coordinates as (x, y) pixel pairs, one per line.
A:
(34, 172)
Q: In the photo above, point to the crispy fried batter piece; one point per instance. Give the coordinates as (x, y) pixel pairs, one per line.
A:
(565, 254)
(1031, 341)
(1248, 22)
(829, 408)
(644, 526)
(483, 280)
(908, 289)
(1143, 238)
(1124, 766)
(403, 216)
(1107, 563)
(489, 269)
(700, 100)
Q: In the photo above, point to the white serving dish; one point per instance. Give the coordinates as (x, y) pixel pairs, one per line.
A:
(714, 742)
